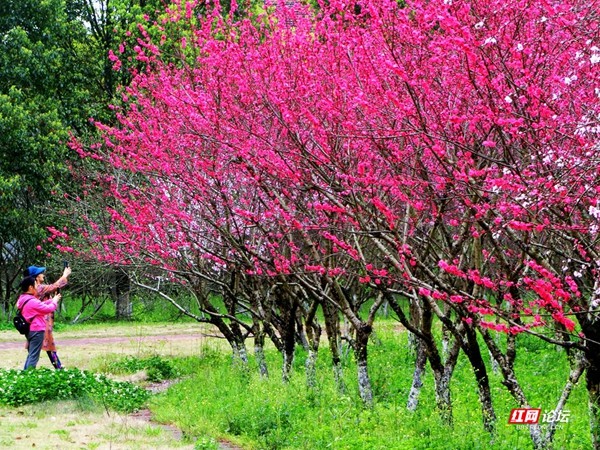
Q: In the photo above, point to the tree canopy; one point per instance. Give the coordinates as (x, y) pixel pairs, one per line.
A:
(441, 156)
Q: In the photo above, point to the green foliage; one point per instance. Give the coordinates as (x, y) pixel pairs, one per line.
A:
(157, 368)
(206, 443)
(33, 386)
(31, 166)
(47, 54)
(45, 92)
(221, 401)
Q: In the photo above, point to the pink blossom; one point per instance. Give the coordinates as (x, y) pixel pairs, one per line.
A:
(371, 146)
(424, 292)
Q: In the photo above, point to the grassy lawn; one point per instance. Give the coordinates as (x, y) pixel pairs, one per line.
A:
(216, 400)
(267, 414)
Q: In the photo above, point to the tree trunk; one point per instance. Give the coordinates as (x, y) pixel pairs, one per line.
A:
(494, 363)
(233, 334)
(505, 363)
(332, 327)
(592, 380)
(232, 330)
(288, 362)
(593, 386)
(473, 352)
(364, 382)
(413, 344)
(311, 369)
(442, 374)
(313, 339)
(422, 322)
(259, 349)
(443, 399)
(122, 289)
(288, 307)
(578, 364)
(302, 338)
(5, 294)
(442, 368)
(240, 354)
(415, 389)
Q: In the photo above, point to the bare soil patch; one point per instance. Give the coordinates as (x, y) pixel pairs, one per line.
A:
(105, 341)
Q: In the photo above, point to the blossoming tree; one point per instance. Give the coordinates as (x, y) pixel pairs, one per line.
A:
(441, 156)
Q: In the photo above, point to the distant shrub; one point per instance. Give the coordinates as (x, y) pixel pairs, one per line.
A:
(157, 368)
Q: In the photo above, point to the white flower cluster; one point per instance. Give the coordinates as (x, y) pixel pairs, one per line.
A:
(595, 58)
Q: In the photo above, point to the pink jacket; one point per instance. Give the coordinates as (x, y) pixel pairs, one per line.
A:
(35, 310)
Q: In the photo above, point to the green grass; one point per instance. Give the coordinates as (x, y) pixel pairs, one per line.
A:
(217, 400)
(221, 401)
(20, 387)
(145, 309)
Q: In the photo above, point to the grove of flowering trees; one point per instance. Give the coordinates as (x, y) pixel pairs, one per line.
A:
(439, 157)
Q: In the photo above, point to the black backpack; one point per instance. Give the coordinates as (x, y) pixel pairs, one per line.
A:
(19, 321)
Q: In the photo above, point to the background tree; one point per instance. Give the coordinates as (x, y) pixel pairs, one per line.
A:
(38, 106)
(55, 75)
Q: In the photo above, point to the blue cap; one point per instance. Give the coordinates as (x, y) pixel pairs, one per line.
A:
(34, 271)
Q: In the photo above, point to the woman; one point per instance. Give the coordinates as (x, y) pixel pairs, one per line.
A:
(43, 293)
(34, 311)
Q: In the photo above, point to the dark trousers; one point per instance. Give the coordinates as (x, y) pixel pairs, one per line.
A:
(54, 360)
(35, 339)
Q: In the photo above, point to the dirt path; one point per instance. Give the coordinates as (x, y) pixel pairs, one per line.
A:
(103, 341)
